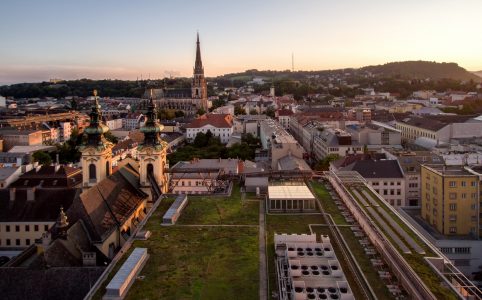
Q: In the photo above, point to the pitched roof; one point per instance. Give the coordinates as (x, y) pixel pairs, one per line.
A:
(45, 207)
(215, 120)
(376, 168)
(108, 203)
(50, 176)
(49, 284)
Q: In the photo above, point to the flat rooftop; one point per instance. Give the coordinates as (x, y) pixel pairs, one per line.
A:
(289, 192)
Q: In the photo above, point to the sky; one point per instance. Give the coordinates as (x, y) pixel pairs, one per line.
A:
(123, 39)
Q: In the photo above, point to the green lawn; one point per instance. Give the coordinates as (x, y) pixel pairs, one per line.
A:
(220, 210)
(327, 202)
(363, 260)
(200, 262)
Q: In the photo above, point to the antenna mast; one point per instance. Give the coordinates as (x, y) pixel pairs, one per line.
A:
(292, 62)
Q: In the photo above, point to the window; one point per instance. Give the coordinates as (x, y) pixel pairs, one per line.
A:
(8, 242)
(464, 183)
(17, 242)
(452, 184)
(27, 242)
(474, 195)
(453, 196)
(17, 228)
(473, 183)
(453, 207)
(473, 206)
(463, 195)
(7, 228)
(453, 218)
(35, 227)
(453, 229)
(27, 228)
(46, 227)
(92, 173)
(399, 192)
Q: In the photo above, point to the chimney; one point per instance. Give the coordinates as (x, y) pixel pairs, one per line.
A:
(57, 167)
(31, 194)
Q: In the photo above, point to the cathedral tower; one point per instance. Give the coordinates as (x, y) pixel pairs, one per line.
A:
(153, 150)
(96, 150)
(199, 86)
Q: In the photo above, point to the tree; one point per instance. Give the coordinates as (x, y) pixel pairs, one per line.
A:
(179, 114)
(201, 111)
(324, 164)
(253, 112)
(42, 158)
(270, 112)
(200, 140)
(110, 137)
(238, 110)
(217, 103)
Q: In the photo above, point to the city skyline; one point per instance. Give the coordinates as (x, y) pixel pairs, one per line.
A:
(123, 40)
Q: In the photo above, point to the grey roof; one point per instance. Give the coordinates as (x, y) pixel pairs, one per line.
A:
(49, 284)
(435, 123)
(293, 163)
(256, 181)
(376, 168)
(45, 207)
(6, 172)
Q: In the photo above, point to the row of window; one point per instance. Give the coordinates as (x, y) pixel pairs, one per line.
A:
(457, 250)
(385, 183)
(462, 183)
(8, 242)
(26, 228)
(390, 192)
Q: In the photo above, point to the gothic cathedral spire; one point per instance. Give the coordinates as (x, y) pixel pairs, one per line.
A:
(199, 85)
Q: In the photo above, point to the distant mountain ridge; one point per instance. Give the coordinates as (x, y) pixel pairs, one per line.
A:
(404, 69)
(422, 70)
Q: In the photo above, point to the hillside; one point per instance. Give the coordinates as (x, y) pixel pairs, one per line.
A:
(478, 73)
(406, 69)
(421, 70)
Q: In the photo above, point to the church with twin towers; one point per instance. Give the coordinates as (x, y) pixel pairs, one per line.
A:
(187, 100)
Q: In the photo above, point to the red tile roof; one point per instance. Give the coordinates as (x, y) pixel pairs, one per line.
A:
(215, 120)
(285, 112)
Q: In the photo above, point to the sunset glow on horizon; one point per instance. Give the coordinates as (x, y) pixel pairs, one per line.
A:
(127, 40)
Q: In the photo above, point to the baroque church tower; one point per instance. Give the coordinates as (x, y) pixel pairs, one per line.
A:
(96, 150)
(153, 150)
(199, 86)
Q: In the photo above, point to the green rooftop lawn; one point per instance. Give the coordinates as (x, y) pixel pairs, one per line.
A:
(415, 260)
(220, 210)
(200, 262)
(328, 203)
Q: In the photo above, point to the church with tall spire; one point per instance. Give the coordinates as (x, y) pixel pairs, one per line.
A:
(199, 85)
(187, 100)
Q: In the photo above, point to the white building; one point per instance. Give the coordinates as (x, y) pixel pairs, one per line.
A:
(220, 125)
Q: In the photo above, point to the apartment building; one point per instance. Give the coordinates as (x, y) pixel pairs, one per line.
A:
(451, 199)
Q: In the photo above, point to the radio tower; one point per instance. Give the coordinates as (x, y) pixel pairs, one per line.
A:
(292, 62)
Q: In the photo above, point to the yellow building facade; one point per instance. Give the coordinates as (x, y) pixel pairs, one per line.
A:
(450, 199)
